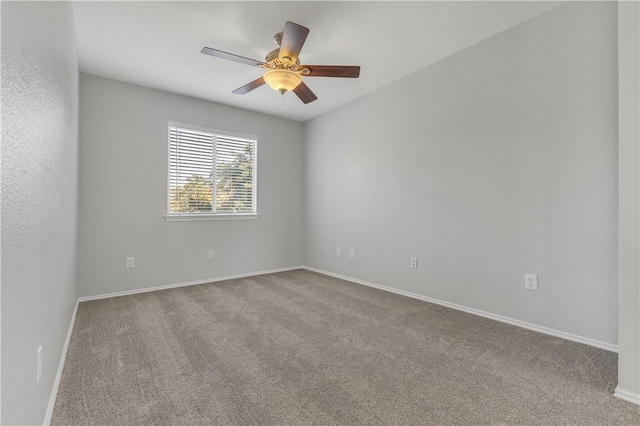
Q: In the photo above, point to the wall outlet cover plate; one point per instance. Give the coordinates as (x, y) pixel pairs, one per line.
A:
(531, 282)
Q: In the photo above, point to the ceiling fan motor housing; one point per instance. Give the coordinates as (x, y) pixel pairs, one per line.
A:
(276, 62)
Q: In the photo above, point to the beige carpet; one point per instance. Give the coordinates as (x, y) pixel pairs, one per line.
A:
(303, 348)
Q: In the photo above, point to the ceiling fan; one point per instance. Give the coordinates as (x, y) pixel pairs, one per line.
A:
(284, 72)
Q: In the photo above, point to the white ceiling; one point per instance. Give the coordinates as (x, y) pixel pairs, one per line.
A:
(157, 44)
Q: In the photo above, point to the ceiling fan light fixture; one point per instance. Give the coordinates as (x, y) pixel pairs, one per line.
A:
(282, 80)
(283, 70)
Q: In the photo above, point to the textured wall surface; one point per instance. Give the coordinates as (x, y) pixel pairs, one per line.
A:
(629, 214)
(39, 199)
(123, 192)
(498, 161)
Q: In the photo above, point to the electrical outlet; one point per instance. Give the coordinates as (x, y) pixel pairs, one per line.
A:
(531, 282)
(337, 251)
(131, 262)
(414, 263)
(211, 254)
(38, 364)
(352, 254)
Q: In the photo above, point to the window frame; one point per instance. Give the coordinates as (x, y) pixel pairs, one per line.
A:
(170, 217)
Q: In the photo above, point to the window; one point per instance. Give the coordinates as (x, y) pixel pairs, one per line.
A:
(211, 175)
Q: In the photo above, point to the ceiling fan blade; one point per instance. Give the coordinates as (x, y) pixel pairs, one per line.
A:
(293, 38)
(344, 71)
(304, 93)
(230, 56)
(249, 86)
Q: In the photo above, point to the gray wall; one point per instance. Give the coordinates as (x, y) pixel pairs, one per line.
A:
(629, 214)
(39, 199)
(498, 161)
(123, 192)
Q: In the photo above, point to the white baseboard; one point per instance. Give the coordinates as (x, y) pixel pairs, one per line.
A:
(512, 321)
(185, 284)
(56, 382)
(627, 396)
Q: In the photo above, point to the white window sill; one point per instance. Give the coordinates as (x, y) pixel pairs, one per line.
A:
(183, 217)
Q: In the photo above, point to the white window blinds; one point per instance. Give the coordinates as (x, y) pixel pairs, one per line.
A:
(210, 173)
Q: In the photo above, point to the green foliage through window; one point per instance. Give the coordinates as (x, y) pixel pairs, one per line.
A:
(210, 173)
